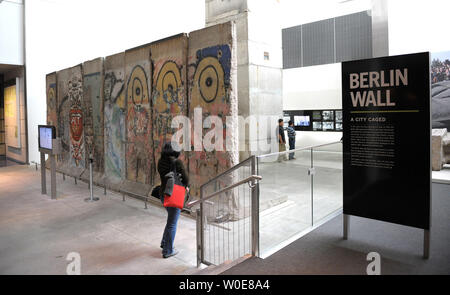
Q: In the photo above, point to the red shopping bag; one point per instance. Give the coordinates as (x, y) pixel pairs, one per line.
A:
(174, 196)
(177, 198)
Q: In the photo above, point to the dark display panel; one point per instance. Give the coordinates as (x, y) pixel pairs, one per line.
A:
(387, 172)
(46, 134)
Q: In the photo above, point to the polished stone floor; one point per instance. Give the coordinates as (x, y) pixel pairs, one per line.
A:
(111, 236)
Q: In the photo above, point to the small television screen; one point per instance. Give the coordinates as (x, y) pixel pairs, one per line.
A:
(338, 126)
(328, 115)
(46, 134)
(317, 125)
(317, 116)
(339, 116)
(301, 121)
(327, 125)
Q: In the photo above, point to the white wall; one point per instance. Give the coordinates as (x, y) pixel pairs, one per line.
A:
(11, 32)
(417, 26)
(312, 88)
(63, 33)
(313, 138)
(315, 87)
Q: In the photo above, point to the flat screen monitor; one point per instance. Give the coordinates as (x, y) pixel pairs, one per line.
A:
(46, 134)
(317, 116)
(317, 125)
(328, 115)
(301, 121)
(338, 126)
(327, 126)
(339, 116)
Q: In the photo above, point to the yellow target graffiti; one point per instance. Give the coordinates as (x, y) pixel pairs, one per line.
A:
(208, 82)
(137, 88)
(168, 85)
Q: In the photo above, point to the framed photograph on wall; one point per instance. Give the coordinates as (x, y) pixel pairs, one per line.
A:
(12, 114)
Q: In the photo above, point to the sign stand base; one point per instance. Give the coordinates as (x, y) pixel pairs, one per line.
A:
(426, 236)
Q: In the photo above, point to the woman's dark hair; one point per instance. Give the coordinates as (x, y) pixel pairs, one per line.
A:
(168, 151)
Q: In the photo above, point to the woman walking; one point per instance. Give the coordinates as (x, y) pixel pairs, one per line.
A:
(169, 159)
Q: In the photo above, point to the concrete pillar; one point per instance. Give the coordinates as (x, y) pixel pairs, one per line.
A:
(259, 58)
(380, 28)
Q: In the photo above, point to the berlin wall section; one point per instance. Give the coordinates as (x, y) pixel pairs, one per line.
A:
(120, 109)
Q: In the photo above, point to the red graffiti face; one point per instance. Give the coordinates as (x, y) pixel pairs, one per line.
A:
(140, 121)
(76, 124)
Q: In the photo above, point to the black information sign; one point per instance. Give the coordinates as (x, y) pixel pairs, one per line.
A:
(386, 114)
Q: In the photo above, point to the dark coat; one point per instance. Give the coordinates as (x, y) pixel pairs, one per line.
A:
(165, 166)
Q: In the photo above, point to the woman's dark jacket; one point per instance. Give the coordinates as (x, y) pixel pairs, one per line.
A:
(165, 166)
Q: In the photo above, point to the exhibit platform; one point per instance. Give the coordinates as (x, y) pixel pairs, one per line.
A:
(323, 251)
(442, 176)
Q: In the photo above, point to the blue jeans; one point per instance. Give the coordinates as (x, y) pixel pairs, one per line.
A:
(291, 147)
(171, 229)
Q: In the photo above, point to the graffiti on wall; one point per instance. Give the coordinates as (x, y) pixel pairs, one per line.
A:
(93, 126)
(169, 101)
(76, 117)
(64, 99)
(209, 85)
(138, 158)
(114, 116)
(52, 117)
(123, 116)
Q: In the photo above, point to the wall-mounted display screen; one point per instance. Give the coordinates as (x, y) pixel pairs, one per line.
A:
(46, 135)
(301, 121)
(328, 115)
(317, 115)
(327, 126)
(317, 125)
(315, 120)
(338, 116)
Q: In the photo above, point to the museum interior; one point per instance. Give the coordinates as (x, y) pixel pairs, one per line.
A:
(357, 92)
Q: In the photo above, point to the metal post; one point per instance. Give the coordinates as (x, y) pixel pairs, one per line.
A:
(43, 176)
(346, 226)
(199, 243)
(75, 180)
(255, 212)
(36, 166)
(91, 189)
(312, 187)
(426, 244)
(64, 177)
(123, 197)
(53, 175)
(104, 192)
(202, 229)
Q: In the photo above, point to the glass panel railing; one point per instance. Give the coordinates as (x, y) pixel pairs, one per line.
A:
(327, 188)
(284, 199)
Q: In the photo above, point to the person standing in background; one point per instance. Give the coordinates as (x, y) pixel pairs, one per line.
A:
(281, 141)
(291, 137)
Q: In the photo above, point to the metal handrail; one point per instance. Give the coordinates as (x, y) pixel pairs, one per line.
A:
(296, 150)
(228, 171)
(246, 180)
